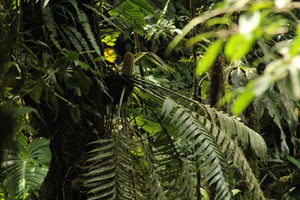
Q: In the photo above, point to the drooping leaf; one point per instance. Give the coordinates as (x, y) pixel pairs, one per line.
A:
(143, 5)
(202, 129)
(112, 173)
(133, 16)
(84, 81)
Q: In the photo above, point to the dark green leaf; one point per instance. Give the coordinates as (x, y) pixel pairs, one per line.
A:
(83, 80)
(72, 55)
(54, 103)
(36, 93)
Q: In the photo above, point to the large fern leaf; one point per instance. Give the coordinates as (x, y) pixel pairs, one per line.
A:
(112, 174)
(208, 151)
(168, 164)
(215, 131)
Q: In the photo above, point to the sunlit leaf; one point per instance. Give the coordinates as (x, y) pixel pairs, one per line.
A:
(248, 22)
(209, 57)
(242, 101)
(238, 45)
(110, 55)
(111, 38)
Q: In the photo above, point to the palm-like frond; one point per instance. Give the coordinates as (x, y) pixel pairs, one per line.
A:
(113, 174)
(169, 165)
(215, 133)
(208, 152)
(154, 59)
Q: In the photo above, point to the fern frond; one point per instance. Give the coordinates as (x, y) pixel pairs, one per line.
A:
(213, 131)
(208, 151)
(112, 174)
(183, 186)
(50, 24)
(73, 39)
(235, 128)
(86, 26)
(156, 185)
(228, 146)
(169, 166)
(82, 41)
(108, 20)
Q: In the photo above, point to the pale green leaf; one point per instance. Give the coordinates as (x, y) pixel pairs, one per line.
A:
(209, 57)
(238, 45)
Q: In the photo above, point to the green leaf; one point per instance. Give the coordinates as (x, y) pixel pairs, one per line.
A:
(143, 5)
(36, 93)
(26, 172)
(133, 15)
(204, 86)
(83, 65)
(274, 112)
(238, 45)
(243, 100)
(295, 47)
(23, 110)
(235, 191)
(204, 194)
(72, 55)
(209, 57)
(83, 80)
(111, 39)
(149, 126)
(61, 63)
(294, 161)
(54, 103)
(70, 81)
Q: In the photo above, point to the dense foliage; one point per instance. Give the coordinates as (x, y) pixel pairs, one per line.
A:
(141, 99)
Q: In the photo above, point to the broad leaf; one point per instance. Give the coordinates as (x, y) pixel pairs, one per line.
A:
(28, 171)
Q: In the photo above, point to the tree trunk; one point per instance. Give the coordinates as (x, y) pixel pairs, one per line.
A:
(68, 132)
